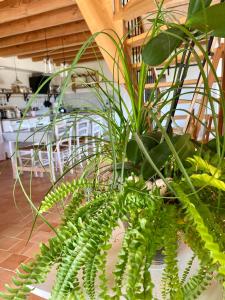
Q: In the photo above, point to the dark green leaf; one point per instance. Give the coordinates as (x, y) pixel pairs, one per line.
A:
(161, 153)
(149, 140)
(159, 48)
(210, 19)
(197, 5)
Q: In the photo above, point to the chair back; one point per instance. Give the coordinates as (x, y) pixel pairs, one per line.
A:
(82, 128)
(61, 131)
(96, 127)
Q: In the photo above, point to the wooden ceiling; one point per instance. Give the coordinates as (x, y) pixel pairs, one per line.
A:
(41, 28)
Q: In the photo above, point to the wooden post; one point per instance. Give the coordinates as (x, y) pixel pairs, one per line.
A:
(204, 102)
(100, 17)
(221, 116)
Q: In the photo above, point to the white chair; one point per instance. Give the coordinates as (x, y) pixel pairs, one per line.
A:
(63, 145)
(37, 159)
(79, 135)
(96, 133)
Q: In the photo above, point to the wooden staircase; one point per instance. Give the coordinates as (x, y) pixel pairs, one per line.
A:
(125, 16)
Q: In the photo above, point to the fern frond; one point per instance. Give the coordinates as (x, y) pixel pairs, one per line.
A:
(60, 193)
(170, 278)
(202, 165)
(207, 180)
(197, 284)
(187, 269)
(213, 248)
(33, 273)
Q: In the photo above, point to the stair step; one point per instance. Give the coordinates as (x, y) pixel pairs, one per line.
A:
(141, 39)
(170, 84)
(178, 60)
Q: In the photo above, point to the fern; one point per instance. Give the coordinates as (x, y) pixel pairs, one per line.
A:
(205, 179)
(213, 248)
(170, 280)
(203, 165)
(60, 193)
(197, 284)
(83, 241)
(187, 269)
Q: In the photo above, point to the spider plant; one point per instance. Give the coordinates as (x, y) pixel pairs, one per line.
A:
(153, 220)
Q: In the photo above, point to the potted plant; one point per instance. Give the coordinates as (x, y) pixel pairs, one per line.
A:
(154, 221)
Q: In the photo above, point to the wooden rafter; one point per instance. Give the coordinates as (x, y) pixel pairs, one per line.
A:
(66, 48)
(99, 17)
(45, 20)
(38, 35)
(67, 54)
(81, 61)
(52, 44)
(85, 57)
(18, 9)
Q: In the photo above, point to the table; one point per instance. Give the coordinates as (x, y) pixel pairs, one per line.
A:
(31, 137)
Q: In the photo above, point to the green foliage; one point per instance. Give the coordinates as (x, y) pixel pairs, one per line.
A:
(201, 16)
(159, 48)
(202, 165)
(197, 284)
(60, 193)
(197, 5)
(210, 19)
(161, 153)
(205, 179)
(84, 240)
(216, 254)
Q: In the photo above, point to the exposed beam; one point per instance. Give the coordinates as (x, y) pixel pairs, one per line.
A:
(66, 48)
(82, 60)
(99, 17)
(15, 10)
(53, 18)
(137, 8)
(38, 35)
(85, 57)
(52, 44)
(70, 54)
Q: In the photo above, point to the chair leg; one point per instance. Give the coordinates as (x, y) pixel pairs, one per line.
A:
(33, 164)
(51, 162)
(59, 160)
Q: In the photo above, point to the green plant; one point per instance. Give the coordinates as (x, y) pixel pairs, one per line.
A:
(152, 221)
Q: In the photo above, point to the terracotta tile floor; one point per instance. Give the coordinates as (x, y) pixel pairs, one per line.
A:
(16, 220)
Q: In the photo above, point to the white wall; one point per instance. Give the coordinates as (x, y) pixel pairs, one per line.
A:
(7, 77)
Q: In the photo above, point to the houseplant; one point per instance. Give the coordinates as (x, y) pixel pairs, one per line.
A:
(154, 222)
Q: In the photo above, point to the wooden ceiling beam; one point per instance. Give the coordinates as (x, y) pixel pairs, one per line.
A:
(38, 35)
(81, 61)
(71, 58)
(52, 44)
(66, 48)
(17, 9)
(45, 20)
(67, 54)
(99, 17)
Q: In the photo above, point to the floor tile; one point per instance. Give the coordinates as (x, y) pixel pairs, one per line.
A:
(13, 262)
(5, 277)
(4, 255)
(7, 242)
